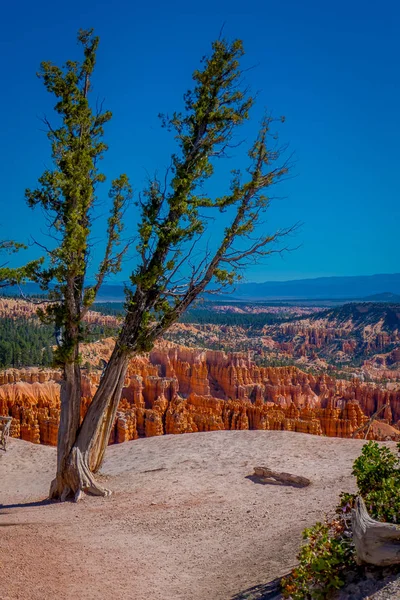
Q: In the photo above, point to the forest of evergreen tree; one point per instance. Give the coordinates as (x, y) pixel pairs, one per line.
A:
(25, 342)
(29, 343)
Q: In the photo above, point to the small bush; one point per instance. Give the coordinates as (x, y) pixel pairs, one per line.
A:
(323, 562)
(328, 554)
(377, 471)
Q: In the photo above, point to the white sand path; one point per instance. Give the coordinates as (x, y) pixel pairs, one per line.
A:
(184, 522)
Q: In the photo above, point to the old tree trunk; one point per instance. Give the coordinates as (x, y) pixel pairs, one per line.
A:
(376, 543)
(81, 447)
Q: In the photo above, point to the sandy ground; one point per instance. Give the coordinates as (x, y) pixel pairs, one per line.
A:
(184, 522)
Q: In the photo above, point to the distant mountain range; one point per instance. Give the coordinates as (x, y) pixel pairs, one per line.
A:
(374, 288)
(385, 297)
(356, 287)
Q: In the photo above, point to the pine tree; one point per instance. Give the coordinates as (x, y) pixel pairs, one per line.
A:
(172, 267)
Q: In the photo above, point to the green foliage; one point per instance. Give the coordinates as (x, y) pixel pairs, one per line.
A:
(323, 562)
(28, 342)
(67, 193)
(174, 211)
(213, 109)
(24, 343)
(254, 321)
(115, 309)
(377, 471)
(328, 553)
(17, 275)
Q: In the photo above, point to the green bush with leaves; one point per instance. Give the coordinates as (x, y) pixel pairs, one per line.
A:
(328, 554)
(323, 561)
(377, 471)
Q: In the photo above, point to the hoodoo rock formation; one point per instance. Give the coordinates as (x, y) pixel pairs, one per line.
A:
(181, 390)
(19, 309)
(362, 329)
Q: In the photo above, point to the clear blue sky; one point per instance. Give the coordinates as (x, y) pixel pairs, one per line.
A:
(332, 68)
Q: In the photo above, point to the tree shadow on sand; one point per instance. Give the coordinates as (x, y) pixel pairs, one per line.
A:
(4, 512)
(26, 504)
(264, 591)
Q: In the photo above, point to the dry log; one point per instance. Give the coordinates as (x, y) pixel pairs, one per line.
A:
(367, 424)
(5, 424)
(267, 475)
(376, 543)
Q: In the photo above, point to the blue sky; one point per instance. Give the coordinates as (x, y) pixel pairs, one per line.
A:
(331, 68)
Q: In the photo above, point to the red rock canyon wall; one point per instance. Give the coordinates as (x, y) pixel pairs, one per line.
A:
(181, 390)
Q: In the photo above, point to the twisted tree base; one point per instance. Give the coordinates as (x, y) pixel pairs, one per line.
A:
(75, 480)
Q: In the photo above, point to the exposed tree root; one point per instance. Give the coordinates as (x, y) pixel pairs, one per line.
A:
(376, 543)
(76, 480)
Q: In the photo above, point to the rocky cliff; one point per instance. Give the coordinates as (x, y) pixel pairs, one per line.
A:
(16, 309)
(180, 390)
(352, 330)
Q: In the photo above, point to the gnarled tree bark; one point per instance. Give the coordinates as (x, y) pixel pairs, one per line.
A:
(5, 424)
(376, 543)
(69, 422)
(83, 451)
(266, 475)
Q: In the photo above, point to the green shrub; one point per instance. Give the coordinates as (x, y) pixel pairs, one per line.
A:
(323, 562)
(377, 471)
(329, 554)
